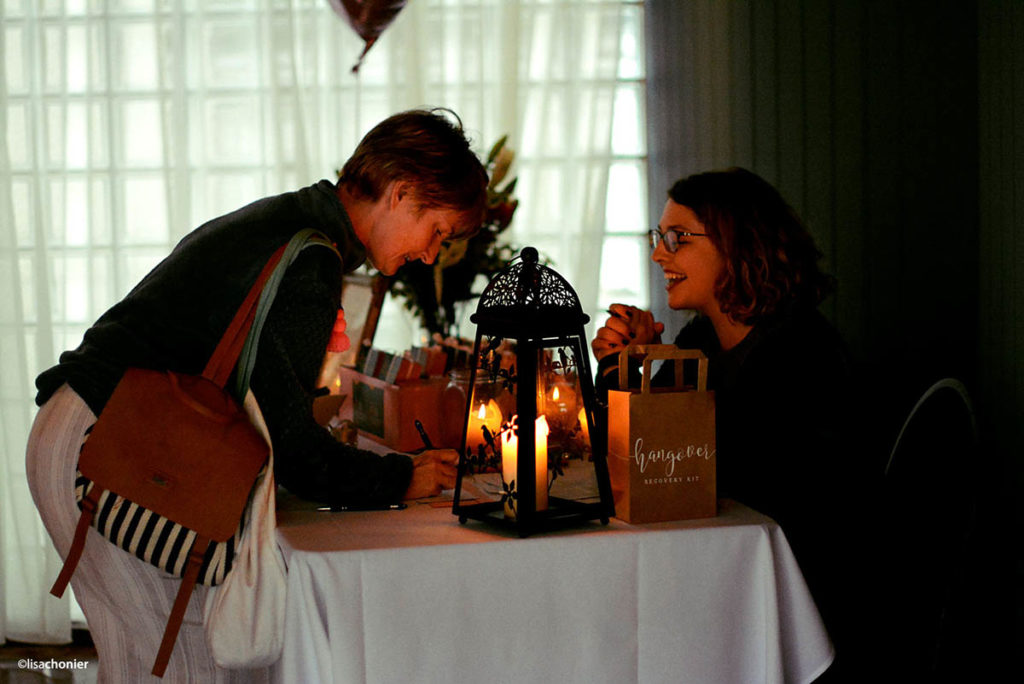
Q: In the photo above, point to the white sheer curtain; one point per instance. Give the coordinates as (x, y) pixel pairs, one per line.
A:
(126, 123)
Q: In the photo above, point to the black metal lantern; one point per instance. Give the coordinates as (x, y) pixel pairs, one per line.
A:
(532, 454)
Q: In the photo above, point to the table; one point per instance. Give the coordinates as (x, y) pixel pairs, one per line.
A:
(413, 596)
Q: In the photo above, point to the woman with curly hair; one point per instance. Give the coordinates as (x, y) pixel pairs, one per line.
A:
(735, 253)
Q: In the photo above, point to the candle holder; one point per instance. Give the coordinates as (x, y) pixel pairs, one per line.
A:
(544, 469)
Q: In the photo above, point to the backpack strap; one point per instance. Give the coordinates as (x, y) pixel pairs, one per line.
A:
(188, 583)
(89, 505)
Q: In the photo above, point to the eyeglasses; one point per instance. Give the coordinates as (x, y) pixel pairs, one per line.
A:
(669, 238)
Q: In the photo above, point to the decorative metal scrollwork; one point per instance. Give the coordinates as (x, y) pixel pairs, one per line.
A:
(528, 285)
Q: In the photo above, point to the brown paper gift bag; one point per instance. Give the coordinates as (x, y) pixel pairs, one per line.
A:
(661, 442)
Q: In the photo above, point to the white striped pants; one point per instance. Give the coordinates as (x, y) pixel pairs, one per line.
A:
(126, 601)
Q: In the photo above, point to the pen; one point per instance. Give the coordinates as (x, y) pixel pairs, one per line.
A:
(383, 507)
(423, 435)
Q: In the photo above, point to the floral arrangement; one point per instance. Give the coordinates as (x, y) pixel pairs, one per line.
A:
(432, 292)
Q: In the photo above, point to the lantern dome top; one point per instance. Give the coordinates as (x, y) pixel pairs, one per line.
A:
(530, 297)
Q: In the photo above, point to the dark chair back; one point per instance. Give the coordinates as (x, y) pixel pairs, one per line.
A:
(931, 500)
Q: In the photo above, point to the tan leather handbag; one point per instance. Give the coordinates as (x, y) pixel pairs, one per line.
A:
(170, 462)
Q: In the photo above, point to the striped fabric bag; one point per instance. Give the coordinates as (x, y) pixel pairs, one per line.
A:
(155, 539)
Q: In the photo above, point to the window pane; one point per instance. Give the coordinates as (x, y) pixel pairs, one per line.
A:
(18, 136)
(14, 60)
(101, 228)
(625, 210)
(76, 290)
(53, 230)
(631, 48)
(14, 8)
(624, 268)
(600, 37)
(76, 135)
(541, 197)
(77, 59)
(53, 59)
(55, 122)
(541, 46)
(232, 131)
(232, 58)
(628, 129)
(134, 58)
(145, 211)
(138, 6)
(24, 214)
(76, 213)
(544, 131)
(99, 140)
(29, 300)
(99, 47)
(142, 141)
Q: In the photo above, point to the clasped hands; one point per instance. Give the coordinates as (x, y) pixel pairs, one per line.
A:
(627, 325)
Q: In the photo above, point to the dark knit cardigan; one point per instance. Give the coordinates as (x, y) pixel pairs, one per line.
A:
(175, 316)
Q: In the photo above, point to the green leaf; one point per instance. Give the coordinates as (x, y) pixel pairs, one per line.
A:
(493, 154)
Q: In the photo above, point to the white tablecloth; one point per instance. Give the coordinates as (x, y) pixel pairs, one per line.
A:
(412, 596)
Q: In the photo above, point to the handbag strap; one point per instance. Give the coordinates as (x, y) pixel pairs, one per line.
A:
(247, 360)
(224, 356)
(177, 616)
(230, 347)
(89, 505)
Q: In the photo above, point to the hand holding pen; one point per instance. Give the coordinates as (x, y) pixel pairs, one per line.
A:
(433, 470)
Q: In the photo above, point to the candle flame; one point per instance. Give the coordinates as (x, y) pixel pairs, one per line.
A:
(541, 427)
(554, 395)
(482, 413)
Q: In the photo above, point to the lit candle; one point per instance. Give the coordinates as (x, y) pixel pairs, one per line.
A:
(584, 428)
(510, 462)
(560, 405)
(541, 461)
(485, 414)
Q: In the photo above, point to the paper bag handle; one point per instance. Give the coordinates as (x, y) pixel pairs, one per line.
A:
(656, 352)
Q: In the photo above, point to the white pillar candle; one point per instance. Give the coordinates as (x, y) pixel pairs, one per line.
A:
(510, 462)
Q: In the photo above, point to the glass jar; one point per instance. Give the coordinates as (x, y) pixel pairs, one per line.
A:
(488, 408)
(453, 408)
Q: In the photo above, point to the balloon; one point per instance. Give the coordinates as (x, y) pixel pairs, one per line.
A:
(368, 18)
